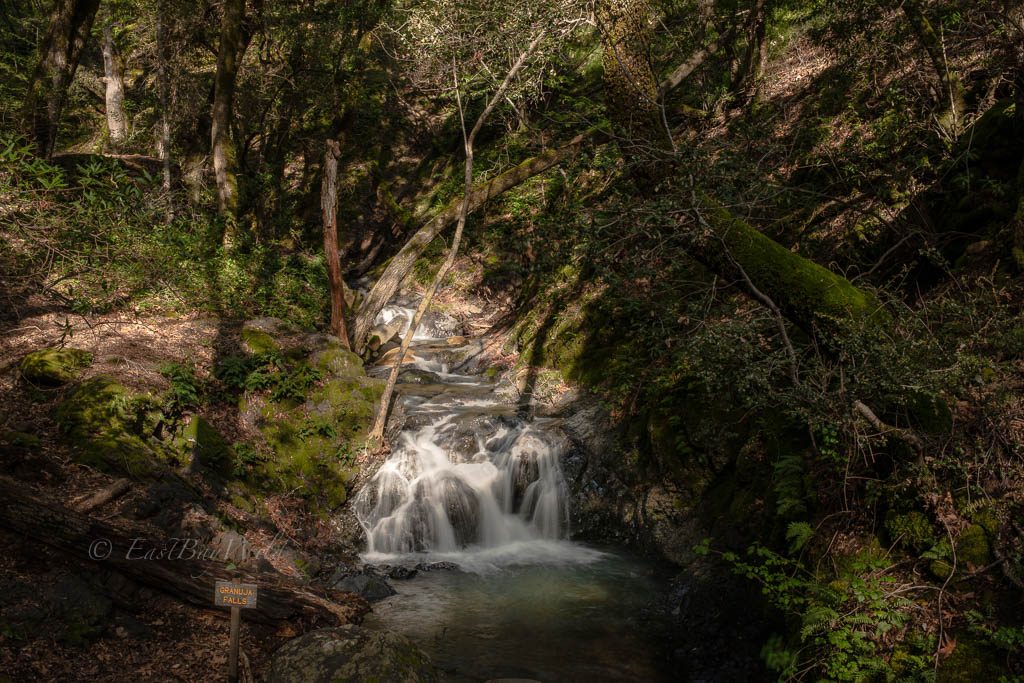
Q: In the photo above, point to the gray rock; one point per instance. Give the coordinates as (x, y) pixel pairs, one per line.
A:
(351, 654)
(230, 546)
(370, 586)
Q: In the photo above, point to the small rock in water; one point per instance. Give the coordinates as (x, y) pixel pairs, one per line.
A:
(436, 566)
(401, 573)
(370, 586)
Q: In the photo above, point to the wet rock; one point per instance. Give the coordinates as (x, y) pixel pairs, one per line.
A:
(437, 566)
(53, 367)
(401, 573)
(370, 586)
(351, 654)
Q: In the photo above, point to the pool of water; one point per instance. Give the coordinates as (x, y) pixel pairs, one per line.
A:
(567, 612)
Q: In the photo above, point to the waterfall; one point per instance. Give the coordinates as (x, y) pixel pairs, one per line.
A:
(435, 495)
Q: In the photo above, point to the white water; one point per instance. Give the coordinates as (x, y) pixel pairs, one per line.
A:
(505, 502)
(471, 484)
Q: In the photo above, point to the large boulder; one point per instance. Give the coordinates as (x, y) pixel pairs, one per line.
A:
(351, 654)
(53, 367)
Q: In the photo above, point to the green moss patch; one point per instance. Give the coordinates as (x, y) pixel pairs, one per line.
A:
(53, 367)
(105, 423)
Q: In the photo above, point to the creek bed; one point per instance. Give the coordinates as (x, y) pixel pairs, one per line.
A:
(572, 613)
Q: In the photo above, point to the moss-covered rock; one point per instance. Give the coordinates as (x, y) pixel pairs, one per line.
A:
(53, 367)
(201, 439)
(104, 423)
(314, 443)
(257, 341)
(970, 662)
(337, 361)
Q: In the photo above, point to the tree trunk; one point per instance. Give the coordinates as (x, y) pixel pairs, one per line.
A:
(814, 298)
(164, 86)
(70, 25)
(222, 147)
(377, 433)
(749, 72)
(403, 261)
(329, 204)
(184, 571)
(630, 88)
(953, 97)
(113, 78)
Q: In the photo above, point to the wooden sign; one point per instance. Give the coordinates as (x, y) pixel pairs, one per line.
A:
(231, 594)
(237, 596)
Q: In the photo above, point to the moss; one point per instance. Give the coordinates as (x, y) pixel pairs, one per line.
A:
(53, 367)
(972, 547)
(211, 449)
(103, 421)
(312, 443)
(912, 530)
(971, 661)
(810, 295)
(336, 361)
(257, 341)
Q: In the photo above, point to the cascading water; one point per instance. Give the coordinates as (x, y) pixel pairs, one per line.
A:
(427, 498)
(468, 479)
(473, 484)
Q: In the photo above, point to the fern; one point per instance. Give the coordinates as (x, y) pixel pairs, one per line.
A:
(799, 534)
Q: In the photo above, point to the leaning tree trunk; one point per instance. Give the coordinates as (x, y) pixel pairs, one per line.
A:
(222, 147)
(953, 95)
(59, 53)
(400, 265)
(630, 87)
(814, 298)
(377, 433)
(113, 78)
(329, 205)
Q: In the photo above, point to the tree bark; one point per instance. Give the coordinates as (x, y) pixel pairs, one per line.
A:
(749, 72)
(164, 86)
(70, 25)
(403, 261)
(183, 571)
(814, 298)
(681, 72)
(630, 88)
(329, 205)
(377, 433)
(222, 147)
(113, 78)
(953, 95)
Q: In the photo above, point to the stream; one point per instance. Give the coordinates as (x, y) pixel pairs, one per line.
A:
(473, 496)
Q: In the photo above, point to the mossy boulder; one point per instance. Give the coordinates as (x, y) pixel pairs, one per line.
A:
(973, 551)
(54, 367)
(337, 361)
(211, 450)
(970, 662)
(351, 654)
(314, 443)
(105, 424)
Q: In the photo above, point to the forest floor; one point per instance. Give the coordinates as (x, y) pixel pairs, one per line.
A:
(72, 620)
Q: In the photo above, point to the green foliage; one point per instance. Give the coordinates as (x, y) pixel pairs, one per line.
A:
(843, 625)
(185, 391)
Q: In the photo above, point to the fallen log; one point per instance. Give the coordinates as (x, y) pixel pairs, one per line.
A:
(108, 493)
(179, 567)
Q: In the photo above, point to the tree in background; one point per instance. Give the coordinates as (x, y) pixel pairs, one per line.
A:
(59, 53)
